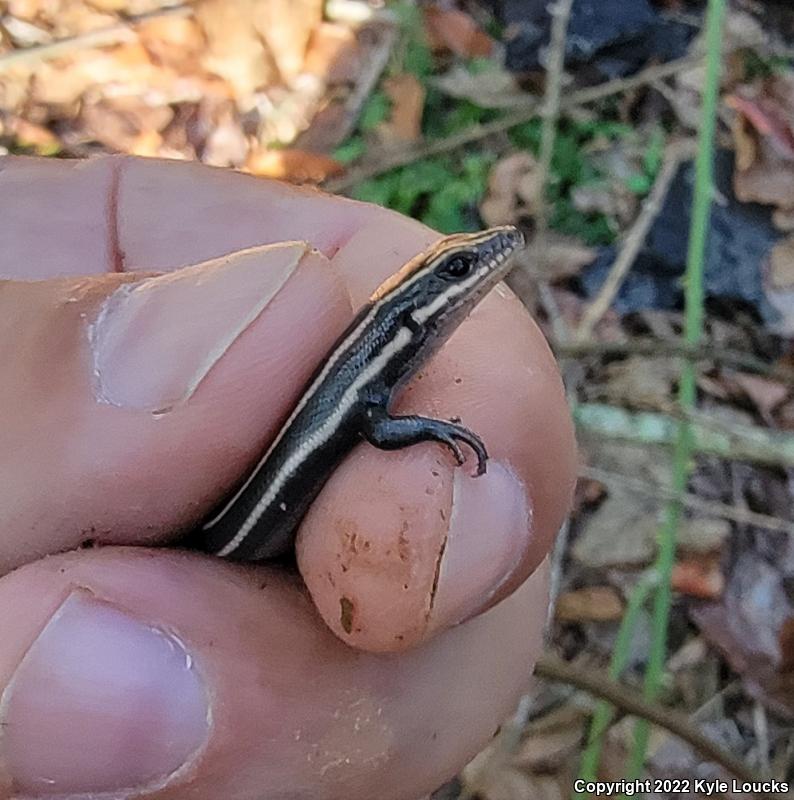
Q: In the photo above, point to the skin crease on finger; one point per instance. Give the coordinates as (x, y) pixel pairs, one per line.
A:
(293, 711)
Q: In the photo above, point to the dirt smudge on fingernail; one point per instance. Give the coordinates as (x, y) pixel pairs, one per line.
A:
(346, 617)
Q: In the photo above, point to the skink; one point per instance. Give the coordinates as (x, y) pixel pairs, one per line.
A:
(347, 400)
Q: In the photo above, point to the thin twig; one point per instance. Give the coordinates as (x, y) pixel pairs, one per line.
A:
(560, 12)
(393, 159)
(633, 242)
(761, 727)
(660, 348)
(556, 569)
(368, 79)
(711, 508)
(104, 37)
(631, 702)
(715, 431)
(717, 437)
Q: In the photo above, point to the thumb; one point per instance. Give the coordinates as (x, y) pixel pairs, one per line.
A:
(128, 399)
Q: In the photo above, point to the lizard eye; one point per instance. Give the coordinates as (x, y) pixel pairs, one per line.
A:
(458, 266)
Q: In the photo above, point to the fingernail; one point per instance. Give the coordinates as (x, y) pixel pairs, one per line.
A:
(154, 340)
(101, 702)
(489, 531)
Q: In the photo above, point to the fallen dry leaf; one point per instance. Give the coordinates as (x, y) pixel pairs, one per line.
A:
(744, 143)
(30, 135)
(110, 5)
(26, 9)
(46, 11)
(250, 51)
(333, 54)
(785, 416)
(70, 18)
(591, 604)
(350, 75)
(783, 302)
(489, 88)
(407, 97)
(490, 775)
(612, 198)
(186, 134)
(752, 625)
(21, 32)
(455, 30)
(502, 202)
(641, 382)
(235, 49)
(62, 82)
(257, 43)
(778, 279)
(588, 494)
(565, 257)
(147, 144)
(699, 577)
(770, 180)
(226, 144)
(781, 264)
(546, 751)
(621, 532)
(685, 98)
(323, 134)
(715, 387)
(766, 394)
(174, 41)
(703, 535)
(495, 775)
(689, 656)
(783, 218)
(765, 115)
(764, 139)
(286, 26)
(120, 122)
(741, 30)
(297, 166)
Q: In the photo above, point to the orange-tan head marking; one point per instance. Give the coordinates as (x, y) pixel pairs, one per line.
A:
(441, 285)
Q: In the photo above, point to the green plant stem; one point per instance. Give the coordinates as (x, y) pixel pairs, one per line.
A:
(602, 716)
(693, 333)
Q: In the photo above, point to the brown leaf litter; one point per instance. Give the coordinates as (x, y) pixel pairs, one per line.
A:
(764, 139)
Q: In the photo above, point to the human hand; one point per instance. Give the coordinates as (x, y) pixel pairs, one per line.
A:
(132, 403)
